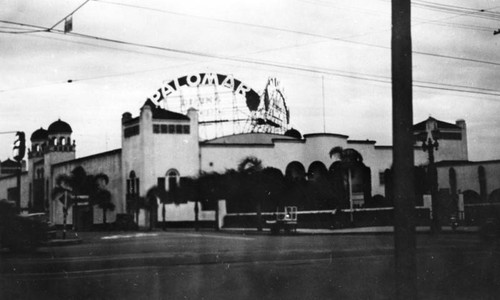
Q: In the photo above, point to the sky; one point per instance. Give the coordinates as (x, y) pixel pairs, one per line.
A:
(332, 59)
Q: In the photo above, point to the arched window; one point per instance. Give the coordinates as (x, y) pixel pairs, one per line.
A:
(471, 197)
(54, 141)
(452, 177)
(132, 184)
(62, 141)
(295, 171)
(172, 179)
(316, 170)
(495, 196)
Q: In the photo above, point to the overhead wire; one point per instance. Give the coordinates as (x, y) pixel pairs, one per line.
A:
(345, 40)
(454, 9)
(71, 13)
(358, 76)
(271, 64)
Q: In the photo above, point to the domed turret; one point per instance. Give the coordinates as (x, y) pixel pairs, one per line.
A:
(59, 134)
(39, 135)
(59, 127)
(293, 133)
(39, 140)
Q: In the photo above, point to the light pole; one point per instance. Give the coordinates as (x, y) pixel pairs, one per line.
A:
(430, 146)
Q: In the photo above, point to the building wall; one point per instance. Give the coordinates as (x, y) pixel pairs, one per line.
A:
(173, 151)
(10, 182)
(151, 155)
(468, 176)
(109, 163)
(314, 147)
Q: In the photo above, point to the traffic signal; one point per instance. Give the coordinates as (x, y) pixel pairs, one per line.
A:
(20, 145)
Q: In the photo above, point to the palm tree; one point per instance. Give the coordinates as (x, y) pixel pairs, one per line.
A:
(211, 189)
(346, 155)
(250, 165)
(76, 183)
(100, 195)
(349, 172)
(251, 169)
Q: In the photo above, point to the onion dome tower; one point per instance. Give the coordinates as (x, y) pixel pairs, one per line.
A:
(59, 137)
(39, 142)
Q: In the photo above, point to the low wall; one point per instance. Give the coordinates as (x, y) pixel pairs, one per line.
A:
(331, 218)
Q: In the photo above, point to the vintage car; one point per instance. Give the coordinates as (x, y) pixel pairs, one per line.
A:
(285, 219)
(22, 232)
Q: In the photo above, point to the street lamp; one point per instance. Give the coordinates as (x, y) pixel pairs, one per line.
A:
(430, 145)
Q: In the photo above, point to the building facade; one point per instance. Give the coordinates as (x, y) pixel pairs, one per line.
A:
(159, 147)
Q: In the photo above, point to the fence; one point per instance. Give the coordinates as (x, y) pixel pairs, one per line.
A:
(339, 218)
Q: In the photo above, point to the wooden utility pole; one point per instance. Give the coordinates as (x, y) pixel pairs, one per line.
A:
(403, 155)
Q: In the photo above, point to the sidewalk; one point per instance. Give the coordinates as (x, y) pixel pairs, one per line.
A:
(366, 230)
(72, 238)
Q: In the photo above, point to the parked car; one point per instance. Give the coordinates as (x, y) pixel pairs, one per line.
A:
(22, 232)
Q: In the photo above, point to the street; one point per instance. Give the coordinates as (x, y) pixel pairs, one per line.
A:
(232, 265)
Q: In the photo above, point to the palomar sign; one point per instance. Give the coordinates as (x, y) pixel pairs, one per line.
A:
(195, 80)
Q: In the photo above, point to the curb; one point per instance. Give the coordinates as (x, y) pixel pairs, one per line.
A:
(356, 231)
(65, 242)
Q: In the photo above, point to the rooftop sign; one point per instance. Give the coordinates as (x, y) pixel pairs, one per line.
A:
(195, 80)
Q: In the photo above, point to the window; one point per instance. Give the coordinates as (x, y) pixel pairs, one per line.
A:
(132, 184)
(131, 131)
(381, 178)
(171, 128)
(156, 128)
(164, 128)
(173, 179)
(178, 129)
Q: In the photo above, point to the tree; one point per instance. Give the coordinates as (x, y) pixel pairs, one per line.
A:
(211, 188)
(273, 188)
(100, 195)
(251, 170)
(68, 186)
(349, 171)
(78, 183)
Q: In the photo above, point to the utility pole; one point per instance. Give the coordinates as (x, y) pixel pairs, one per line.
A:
(403, 155)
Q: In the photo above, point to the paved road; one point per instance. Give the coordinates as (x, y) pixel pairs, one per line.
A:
(212, 265)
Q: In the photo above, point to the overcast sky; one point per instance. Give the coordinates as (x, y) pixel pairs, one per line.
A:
(345, 44)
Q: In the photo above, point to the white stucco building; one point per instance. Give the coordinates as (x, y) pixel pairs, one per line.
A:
(160, 146)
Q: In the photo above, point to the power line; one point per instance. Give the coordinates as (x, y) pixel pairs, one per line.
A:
(71, 13)
(303, 32)
(419, 21)
(277, 65)
(256, 26)
(453, 9)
